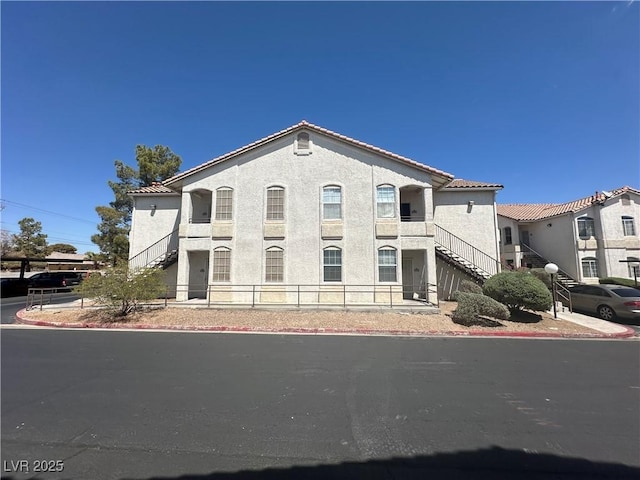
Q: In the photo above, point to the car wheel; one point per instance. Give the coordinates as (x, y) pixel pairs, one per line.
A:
(606, 313)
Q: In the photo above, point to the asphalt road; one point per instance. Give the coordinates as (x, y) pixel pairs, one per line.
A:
(11, 305)
(113, 405)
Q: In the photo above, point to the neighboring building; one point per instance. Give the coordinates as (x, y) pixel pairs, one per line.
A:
(586, 238)
(68, 261)
(311, 216)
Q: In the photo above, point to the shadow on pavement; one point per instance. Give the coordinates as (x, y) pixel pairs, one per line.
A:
(491, 463)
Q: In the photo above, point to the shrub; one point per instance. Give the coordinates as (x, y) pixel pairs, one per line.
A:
(121, 291)
(542, 275)
(472, 305)
(468, 286)
(618, 281)
(519, 290)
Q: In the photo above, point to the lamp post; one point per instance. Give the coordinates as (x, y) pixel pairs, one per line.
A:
(552, 269)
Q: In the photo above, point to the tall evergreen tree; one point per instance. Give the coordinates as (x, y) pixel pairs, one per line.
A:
(154, 165)
(31, 242)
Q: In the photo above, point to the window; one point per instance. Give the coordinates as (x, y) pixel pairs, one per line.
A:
(589, 267)
(628, 227)
(275, 203)
(222, 265)
(386, 200)
(331, 203)
(387, 264)
(332, 264)
(303, 141)
(635, 265)
(224, 204)
(274, 263)
(507, 236)
(586, 227)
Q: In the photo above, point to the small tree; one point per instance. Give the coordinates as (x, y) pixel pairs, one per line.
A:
(62, 248)
(518, 290)
(122, 291)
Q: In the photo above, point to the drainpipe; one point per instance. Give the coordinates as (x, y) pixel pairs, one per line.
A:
(495, 231)
(575, 248)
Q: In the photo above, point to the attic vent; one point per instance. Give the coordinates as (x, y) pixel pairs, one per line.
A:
(303, 141)
(626, 199)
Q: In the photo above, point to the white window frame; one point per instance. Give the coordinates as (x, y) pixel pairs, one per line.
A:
(589, 225)
(333, 263)
(274, 272)
(221, 271)
(383, 202)
(589, 267)
(391, 266)
(329, 202)
(628, 226)
(273, 213)
(224, 204)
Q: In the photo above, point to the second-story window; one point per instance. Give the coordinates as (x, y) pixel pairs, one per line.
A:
(331, 203)
(275, 203)
(628, 227)
(586, 227)
(386, 201)
(508, 239)
(224, 204)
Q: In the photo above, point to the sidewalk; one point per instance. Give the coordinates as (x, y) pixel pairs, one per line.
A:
(594, 323)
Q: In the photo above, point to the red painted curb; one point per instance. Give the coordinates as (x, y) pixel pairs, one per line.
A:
(471, 333)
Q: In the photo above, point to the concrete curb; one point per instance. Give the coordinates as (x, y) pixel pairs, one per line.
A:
(629, 332)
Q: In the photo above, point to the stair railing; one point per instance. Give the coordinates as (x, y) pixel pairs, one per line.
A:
(154, 252)
(531, 250)
(463, 249)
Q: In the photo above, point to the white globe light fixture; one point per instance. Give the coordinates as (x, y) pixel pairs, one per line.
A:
(552, 269)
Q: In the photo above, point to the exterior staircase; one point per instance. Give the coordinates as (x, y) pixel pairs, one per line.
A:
(161, 254)
(464, 256)
(533, 258)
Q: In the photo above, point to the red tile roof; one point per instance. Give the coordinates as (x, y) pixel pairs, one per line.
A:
(444, 176)
(538, 211)
(459, 183)
(156, 188)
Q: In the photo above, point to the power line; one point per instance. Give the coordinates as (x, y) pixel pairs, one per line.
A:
(48, 211)
(58, 239)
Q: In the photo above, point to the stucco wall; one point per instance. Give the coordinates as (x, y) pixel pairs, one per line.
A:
(476, 225)
(149, 225)
(331, 163)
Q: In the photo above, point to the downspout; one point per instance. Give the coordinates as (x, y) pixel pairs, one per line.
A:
(575, 248)
(495, 231)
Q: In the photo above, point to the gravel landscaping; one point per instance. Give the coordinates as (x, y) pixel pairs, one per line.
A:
(257, 319)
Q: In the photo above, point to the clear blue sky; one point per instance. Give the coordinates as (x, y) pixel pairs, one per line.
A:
(541, 97)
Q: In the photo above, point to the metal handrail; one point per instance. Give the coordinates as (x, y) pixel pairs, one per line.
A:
(566, 294)
(297, 294)
(463, 249)
(155, 251)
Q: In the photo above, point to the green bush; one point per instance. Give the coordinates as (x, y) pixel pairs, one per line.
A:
(519, 290)
(470, 287)
(121, 291)
(618, 281)
(472, 305)
(542, 275)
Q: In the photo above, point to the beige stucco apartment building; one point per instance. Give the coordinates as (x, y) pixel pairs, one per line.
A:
(309, 216)
(587, 238)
